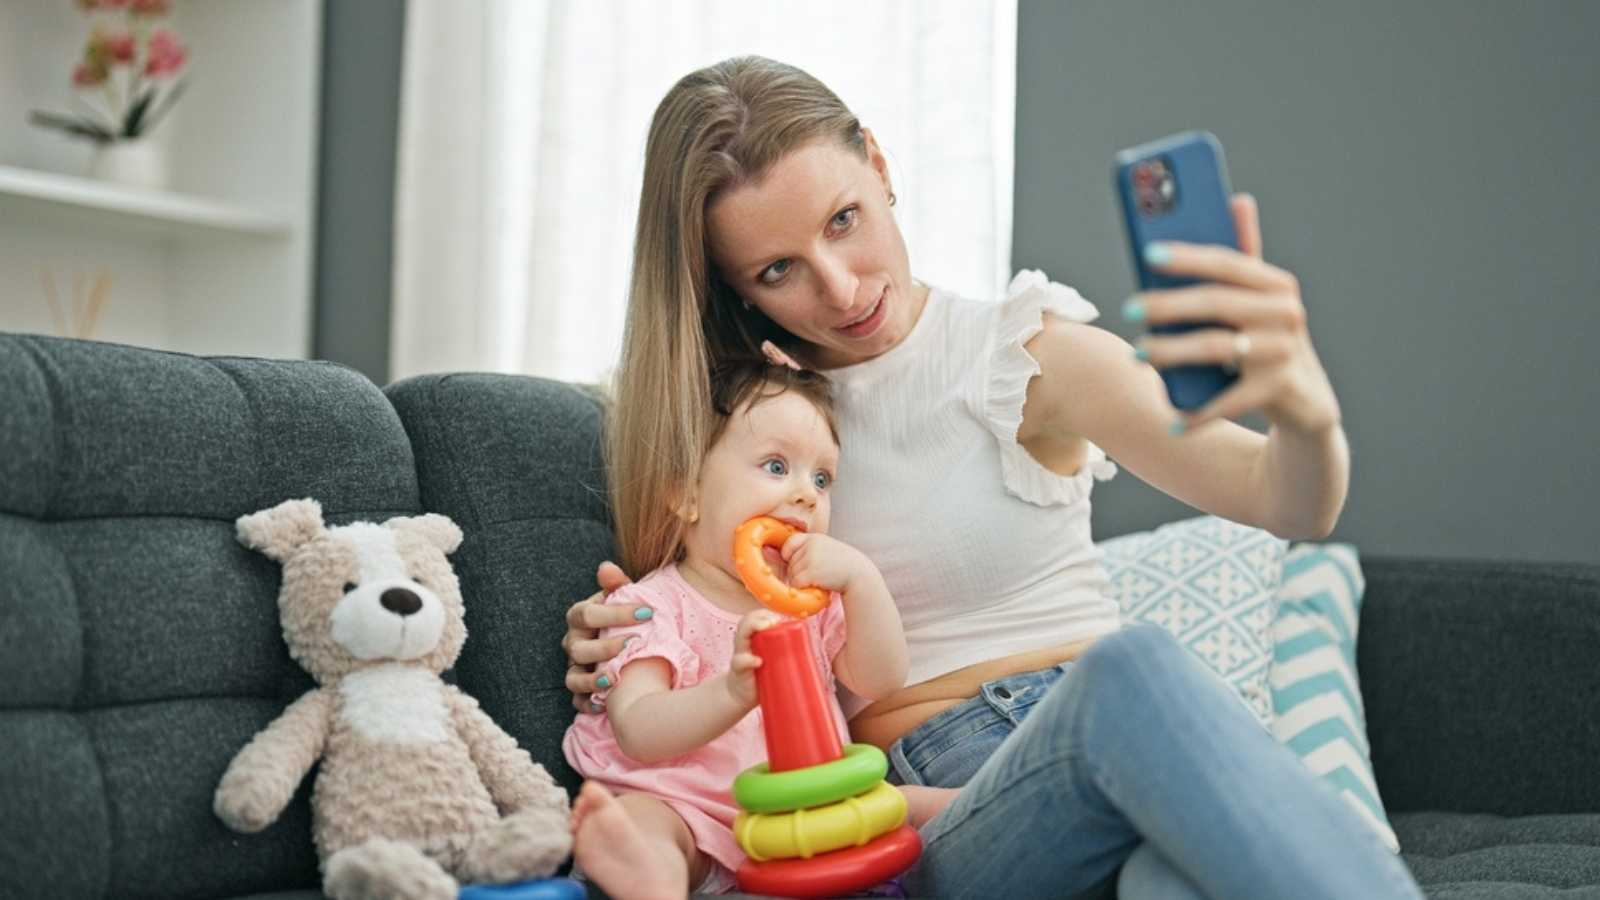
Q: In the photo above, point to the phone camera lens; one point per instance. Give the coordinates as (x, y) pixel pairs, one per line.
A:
(1154, 187)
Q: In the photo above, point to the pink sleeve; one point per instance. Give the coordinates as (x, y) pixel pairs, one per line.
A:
(831, 630)
(660, 637)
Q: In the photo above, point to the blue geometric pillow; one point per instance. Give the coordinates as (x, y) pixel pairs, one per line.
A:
(1213, 584)
(1316, 696)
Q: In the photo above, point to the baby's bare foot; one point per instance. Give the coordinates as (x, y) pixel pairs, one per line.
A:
(611, 850)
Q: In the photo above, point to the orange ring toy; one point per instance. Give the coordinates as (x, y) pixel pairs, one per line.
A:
(758, 578)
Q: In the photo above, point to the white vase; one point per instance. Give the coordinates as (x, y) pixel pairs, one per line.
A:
(139, 163)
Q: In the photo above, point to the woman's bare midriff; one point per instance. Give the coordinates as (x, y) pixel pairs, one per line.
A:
(886, 720)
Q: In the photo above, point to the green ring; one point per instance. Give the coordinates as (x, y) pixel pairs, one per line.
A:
(759, 790)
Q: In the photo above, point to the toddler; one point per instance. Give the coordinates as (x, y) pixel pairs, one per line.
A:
(681, 719)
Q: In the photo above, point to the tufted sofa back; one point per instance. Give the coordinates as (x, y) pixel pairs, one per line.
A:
(139, 642)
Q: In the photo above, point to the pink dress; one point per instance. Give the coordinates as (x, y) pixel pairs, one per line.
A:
(695, 637)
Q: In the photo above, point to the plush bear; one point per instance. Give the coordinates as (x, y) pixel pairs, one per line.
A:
(418, 786)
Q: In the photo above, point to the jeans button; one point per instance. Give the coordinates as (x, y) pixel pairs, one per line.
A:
(1003, 692)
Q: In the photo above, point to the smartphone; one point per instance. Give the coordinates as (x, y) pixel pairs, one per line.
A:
(1176, 189)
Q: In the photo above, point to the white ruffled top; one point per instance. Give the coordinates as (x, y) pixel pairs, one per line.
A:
(987, 552)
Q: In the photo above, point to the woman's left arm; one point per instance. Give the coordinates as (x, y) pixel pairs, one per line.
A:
(1293, 481)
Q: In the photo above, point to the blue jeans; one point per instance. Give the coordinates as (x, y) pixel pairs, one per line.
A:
(1134, 756)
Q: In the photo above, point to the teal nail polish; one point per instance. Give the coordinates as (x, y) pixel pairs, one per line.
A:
(1177, 427)
(1141, 354)
(602, 682)
(643, 613)
(1133, 310)
(1157, 254)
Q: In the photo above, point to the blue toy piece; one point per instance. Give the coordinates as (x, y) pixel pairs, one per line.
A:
(538, 889)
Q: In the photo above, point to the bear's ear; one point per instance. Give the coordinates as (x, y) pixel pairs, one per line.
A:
(435, 529)
(279, 531)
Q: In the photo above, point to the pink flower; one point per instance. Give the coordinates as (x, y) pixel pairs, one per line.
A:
(119, 47)
(151, 7)
(88, 75)
(166, 54)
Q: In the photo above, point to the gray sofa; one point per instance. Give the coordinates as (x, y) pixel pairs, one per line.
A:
(139, 643)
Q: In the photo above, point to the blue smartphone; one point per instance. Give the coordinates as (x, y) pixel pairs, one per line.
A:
(1176, 189)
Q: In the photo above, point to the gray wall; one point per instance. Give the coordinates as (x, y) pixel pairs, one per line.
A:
(362, 45)
(1428, 170)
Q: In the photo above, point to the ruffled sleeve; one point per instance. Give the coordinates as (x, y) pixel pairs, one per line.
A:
(831, 631)
(660, 636)
(1005, 389)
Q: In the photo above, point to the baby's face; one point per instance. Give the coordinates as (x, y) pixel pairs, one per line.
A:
(776, 458)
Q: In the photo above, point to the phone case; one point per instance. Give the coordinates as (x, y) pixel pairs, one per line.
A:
(1199, 214)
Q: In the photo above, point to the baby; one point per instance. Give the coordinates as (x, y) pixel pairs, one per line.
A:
(681, 719)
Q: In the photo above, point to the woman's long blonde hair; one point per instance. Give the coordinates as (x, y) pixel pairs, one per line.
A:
(717, 129)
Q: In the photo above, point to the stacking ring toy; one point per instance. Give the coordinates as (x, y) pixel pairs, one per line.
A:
(760, 790)
(748, 539)
(834, 874)
(807, 832)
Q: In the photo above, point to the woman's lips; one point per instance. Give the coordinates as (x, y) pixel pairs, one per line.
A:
(867, 326)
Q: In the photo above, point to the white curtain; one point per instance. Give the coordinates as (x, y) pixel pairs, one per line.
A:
(522, 146)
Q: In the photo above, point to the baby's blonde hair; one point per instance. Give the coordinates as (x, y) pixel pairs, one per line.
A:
(717, 129)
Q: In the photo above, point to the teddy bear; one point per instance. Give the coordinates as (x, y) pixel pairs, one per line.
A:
(419, 789)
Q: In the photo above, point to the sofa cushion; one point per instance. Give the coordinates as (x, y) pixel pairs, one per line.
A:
(1213, 584)
(516, 462)
(1316, 694)
(1459, 856)
(139, 642)
(1479, 680)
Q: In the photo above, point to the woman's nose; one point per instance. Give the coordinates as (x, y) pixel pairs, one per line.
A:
(838, 284)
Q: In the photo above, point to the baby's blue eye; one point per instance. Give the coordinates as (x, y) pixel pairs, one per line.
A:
(775, 467)
(822, 480)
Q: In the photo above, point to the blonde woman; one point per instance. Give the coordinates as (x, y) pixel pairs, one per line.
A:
(972, 434)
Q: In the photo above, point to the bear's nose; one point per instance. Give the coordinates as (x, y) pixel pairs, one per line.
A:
(400, 600)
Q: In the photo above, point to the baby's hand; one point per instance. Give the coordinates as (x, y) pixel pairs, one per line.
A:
(742, 673)
(817, 560)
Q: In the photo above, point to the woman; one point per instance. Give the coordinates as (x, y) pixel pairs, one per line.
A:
(972, 435)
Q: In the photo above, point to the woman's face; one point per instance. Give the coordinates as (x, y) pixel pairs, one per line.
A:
(814, 246)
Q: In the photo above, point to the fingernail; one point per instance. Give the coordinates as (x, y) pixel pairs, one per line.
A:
(1157, 254)
(629, 639)
(1177, 427)
(1141, 354)
(602, 682)
(1133, 310)
(643, 613)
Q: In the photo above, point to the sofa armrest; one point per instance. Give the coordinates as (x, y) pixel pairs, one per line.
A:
(1481, 684)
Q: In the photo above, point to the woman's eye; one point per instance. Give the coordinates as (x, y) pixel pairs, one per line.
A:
(845, 218)
(822, 480)
(774, 273)
(775, 467)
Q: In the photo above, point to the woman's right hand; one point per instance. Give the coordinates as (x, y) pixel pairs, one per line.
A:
(583, 647)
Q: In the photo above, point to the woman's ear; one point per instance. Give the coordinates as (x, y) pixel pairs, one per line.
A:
(877, 160)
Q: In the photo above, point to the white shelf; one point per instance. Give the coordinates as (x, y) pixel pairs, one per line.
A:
(221, 262)
(150, 206)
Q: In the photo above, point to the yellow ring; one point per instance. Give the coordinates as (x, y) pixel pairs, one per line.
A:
(805, 833)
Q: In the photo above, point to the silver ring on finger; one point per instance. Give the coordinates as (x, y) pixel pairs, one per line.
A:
(1241, 350)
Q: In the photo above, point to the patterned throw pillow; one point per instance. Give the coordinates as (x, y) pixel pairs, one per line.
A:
(1211, 583)
(1316, 696)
